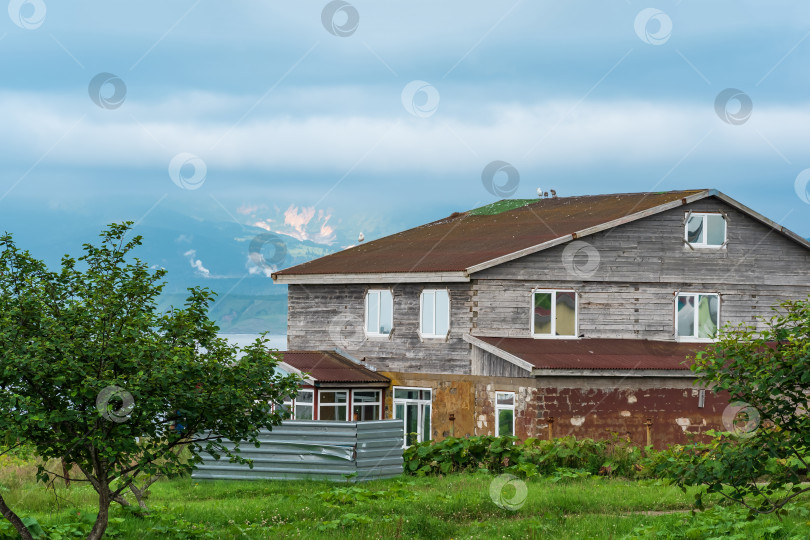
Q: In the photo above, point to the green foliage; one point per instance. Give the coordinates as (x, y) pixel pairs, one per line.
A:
(730, 523)
(78, 527)
(350, 495)
(93, 373)
(768, 371)
(748, 470)
(345, 521)
(614, 457)
(565, 474)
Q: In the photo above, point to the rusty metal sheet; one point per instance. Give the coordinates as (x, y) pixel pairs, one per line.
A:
(328, 366)
(598, 353)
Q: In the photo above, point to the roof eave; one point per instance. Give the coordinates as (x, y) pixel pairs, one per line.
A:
(308, 379)
(371, 277)
(759, 217)
(622, 373)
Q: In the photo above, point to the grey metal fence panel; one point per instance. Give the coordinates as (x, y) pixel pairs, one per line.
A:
(316, 449)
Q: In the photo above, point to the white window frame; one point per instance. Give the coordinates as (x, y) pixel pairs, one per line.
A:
(347, 404)
(378, 403)
(553, 335)
(704, 244)
(292, 404)
(499, 408)
(433, 334)
(379, 311)
(420, 419)
(695, 323)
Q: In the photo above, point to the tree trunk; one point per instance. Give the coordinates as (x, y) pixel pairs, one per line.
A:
(141, 492)
(66, 473)
(104, 500)
(15, 520)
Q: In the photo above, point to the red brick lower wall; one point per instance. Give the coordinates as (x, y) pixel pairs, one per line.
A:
(591, 407)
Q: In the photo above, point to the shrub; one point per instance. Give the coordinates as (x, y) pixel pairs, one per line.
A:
(614, 457)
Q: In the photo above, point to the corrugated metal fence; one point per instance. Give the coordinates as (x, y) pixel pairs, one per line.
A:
(316, 449)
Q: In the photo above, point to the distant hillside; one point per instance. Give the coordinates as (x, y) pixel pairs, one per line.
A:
(204, 246)
(242, 314)
(215, 254)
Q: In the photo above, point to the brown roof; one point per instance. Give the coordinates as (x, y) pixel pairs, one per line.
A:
(598, 353)
(328, 366)
(465, 239)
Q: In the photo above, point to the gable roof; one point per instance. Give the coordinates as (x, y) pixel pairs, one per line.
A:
(452, 248)
(329, 367)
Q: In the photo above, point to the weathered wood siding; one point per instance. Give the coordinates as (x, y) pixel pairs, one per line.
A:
(486, 363)
(642, 265)
(325, 317)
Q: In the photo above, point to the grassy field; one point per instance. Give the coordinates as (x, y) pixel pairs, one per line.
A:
(456, 506)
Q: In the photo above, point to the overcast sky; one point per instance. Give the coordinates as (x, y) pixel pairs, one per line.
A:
(386, 113)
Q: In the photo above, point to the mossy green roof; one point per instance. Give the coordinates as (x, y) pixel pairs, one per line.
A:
(500, 207)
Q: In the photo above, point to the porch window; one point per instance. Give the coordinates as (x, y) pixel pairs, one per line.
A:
(705, 230)
(554, 313)
(434, 320)
(302, 406)
(413, 406)
(379, 312)
(504, 413)
(696, 316)
(366, 405)
(333, 405)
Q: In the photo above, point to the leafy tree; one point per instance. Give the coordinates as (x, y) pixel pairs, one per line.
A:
(761, 460)
(92, 373)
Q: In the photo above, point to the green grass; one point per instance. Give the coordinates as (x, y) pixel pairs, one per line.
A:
(456, 506)
(501, 206)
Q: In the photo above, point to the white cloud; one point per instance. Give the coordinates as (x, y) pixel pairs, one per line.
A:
(544, 133)
(304, 223)
(197, 263)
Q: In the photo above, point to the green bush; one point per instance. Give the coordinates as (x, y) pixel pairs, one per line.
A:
(614, 457)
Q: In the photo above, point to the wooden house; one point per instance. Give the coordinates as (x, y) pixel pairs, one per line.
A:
(550, 316)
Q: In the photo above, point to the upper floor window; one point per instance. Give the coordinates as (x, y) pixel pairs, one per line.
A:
(554, 313)
(705, 230)
(434, 320)
(379, 312)
(696, 316)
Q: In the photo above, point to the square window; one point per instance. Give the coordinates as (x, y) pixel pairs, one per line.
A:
(705, 230)
(333, 405)
(554, 314)
(301, 407)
